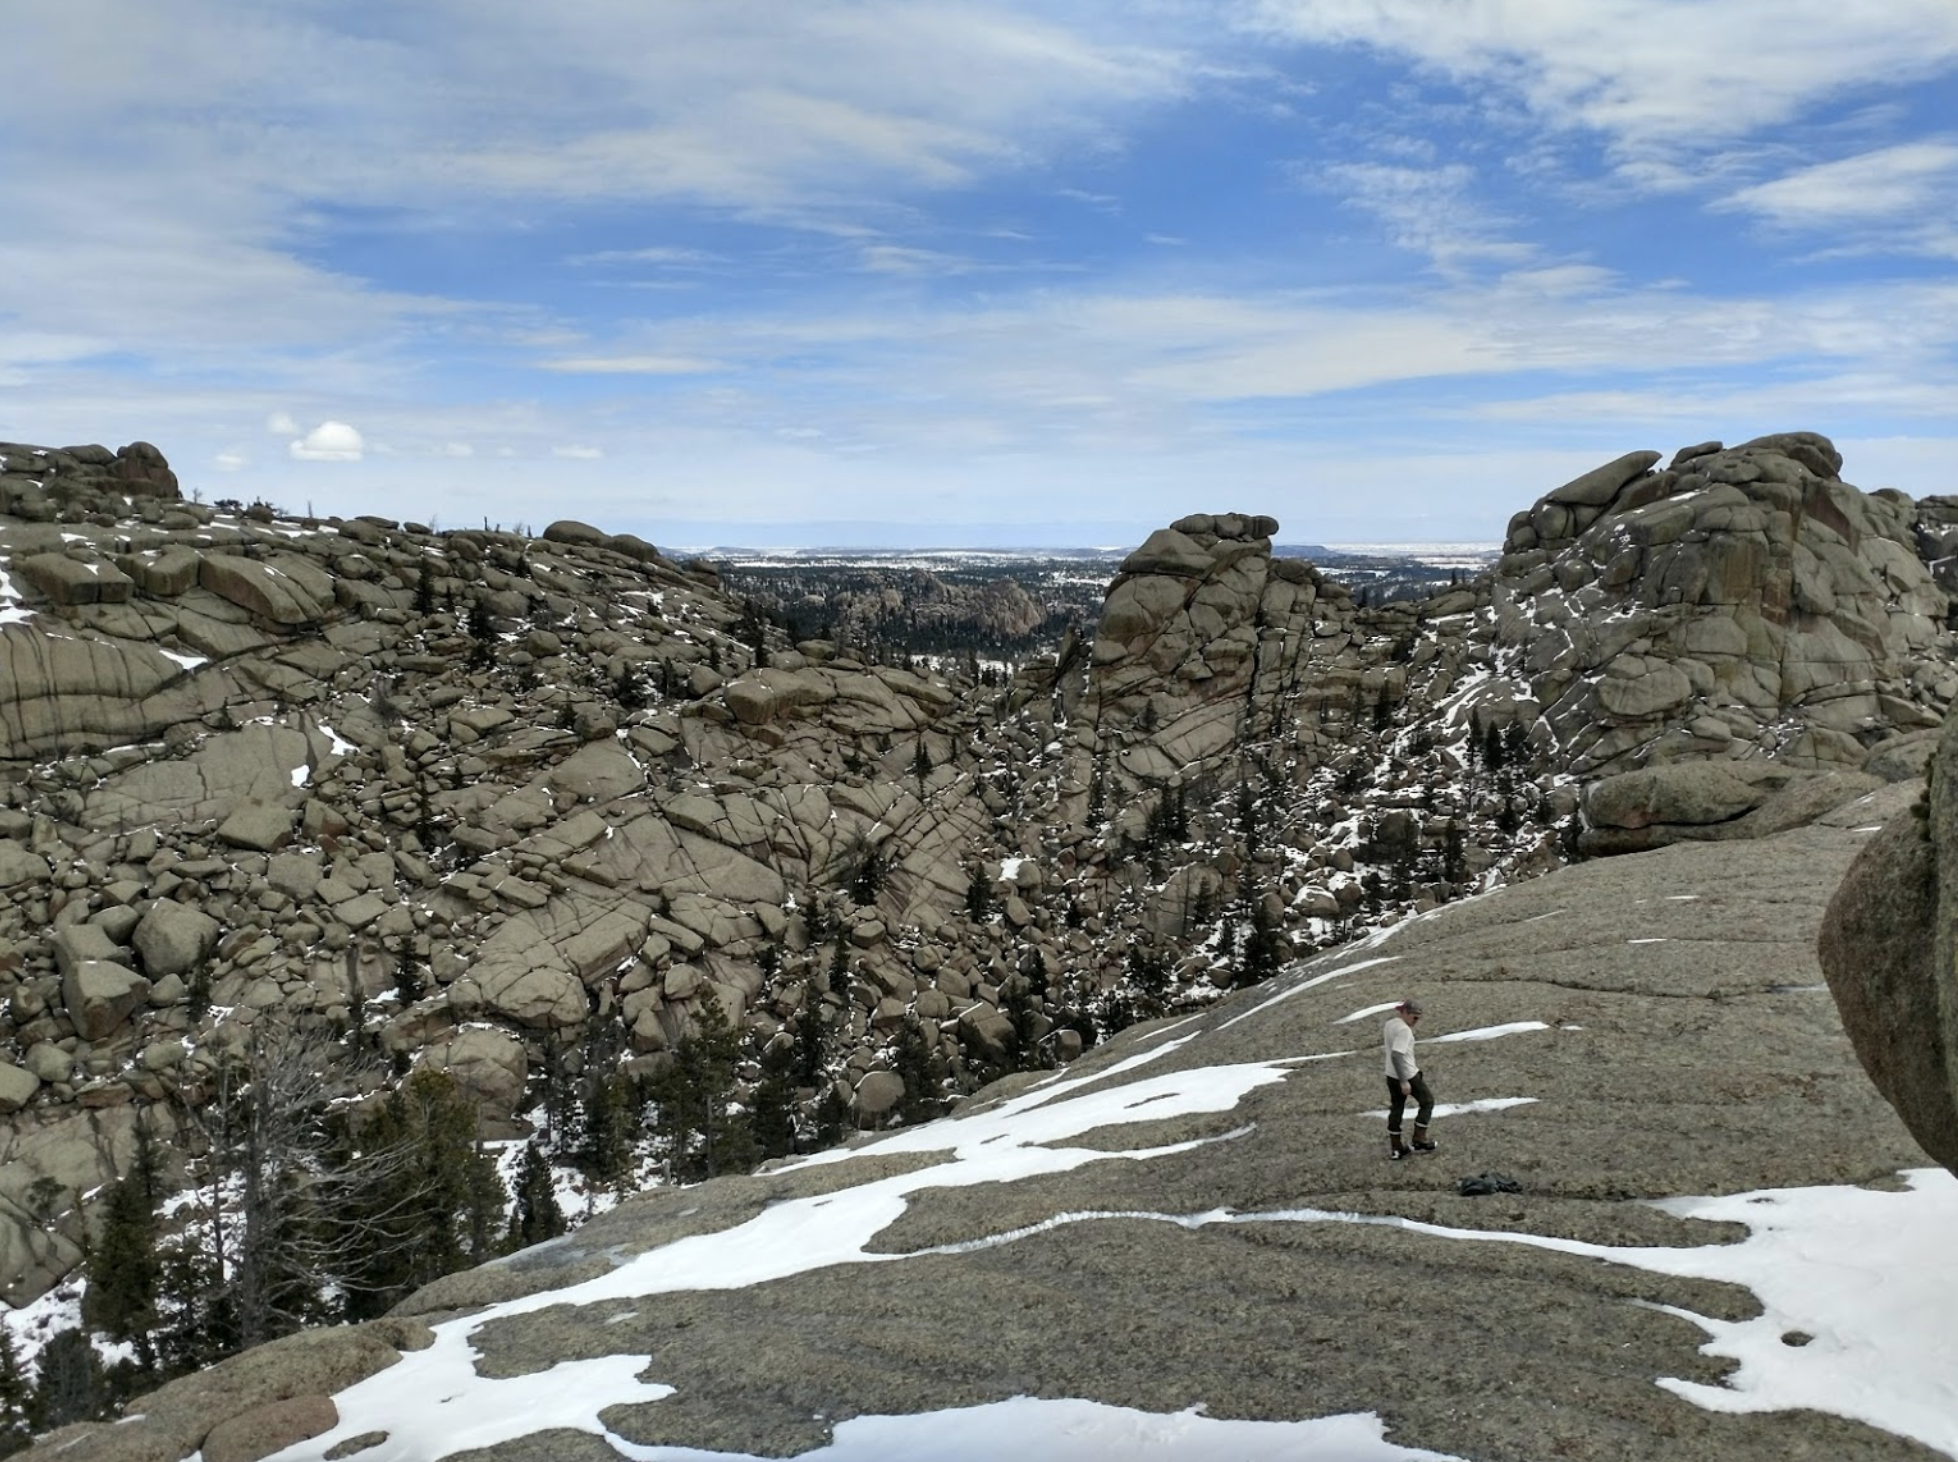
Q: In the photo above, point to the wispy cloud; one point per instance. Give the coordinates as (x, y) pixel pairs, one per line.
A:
(631, 365)
(1902, 199)
(1432, 211)
(1663, 82)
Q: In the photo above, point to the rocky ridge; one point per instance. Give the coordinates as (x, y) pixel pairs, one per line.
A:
(514, 804)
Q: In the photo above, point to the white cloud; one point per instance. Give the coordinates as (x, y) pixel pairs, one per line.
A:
(455, 449)
(1659, 79)
(1889, 184)
(655, 255)
(897, 259)
(231, 461)
(280, 424)
(1427, 210)
(631, 365)
(578, 453)
(330, 441)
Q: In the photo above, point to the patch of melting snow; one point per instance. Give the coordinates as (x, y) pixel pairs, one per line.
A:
(10, 610)
(339, 745)
(1859, 1274)
(1364, 1011)
(1654, 939)
(1491, 1032)
(1465, 1109)
(189, 662)
(1299, 989)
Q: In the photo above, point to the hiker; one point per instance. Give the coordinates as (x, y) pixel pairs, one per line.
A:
(1404, 1080)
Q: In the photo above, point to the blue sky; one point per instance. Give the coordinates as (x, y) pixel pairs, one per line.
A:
(718, 271)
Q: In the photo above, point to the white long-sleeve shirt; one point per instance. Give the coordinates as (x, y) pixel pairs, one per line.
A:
(1399, 1038)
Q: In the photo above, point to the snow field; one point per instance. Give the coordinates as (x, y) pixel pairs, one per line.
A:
(1852, 1281)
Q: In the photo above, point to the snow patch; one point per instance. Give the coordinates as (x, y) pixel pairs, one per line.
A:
(1491, 1032)
(1464, 1109)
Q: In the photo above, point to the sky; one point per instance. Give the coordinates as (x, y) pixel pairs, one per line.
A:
(1008, 272)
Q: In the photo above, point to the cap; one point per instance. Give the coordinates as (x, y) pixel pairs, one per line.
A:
(1410, 1007)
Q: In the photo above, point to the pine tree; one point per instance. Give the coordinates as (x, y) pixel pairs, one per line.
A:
(17, 1409)
(408, 982)
(1247, 818)
(536, 1215)
(426, 1202)
(1263, 949)
(921, 764)
(978, 894)
(72, 1385)
(692, 1096)
(482, 635)
(772, 1108)
(124, 1271)
(919, 1064)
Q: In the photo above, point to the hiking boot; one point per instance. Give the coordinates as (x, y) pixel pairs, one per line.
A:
(1421, 1142)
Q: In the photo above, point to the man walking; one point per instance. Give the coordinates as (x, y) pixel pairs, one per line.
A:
(1404, 1080)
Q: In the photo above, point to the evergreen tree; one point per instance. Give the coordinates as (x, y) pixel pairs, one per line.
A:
(482, 635)
(921, 764)
(1149, 973)
(1263, 948)
(628, 692)
(1454, 853)
(427, 1201)
(72, 1385)
(536, 1215)
(918, 1062)
(811, 1041)
(124, 1271)
(978, 895)
(407, 975)
(692, 1097)
(772, 1108)
(1020, 1004)
(1494, 752)
(606, 1151)
(17, 1408)
(1247, 818)
(424, 589)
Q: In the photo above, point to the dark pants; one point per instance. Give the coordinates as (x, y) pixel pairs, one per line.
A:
(1397, 1103)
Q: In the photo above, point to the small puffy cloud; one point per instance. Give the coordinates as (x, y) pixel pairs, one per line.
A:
(233, 461)
(281, 425)
(455, 449)
(330, 441)
(578, 454)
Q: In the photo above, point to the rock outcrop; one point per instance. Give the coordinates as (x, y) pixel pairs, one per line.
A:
(1889, 947)
(1739, 603)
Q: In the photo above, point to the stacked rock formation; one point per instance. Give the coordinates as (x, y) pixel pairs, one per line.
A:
(1742, 609)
